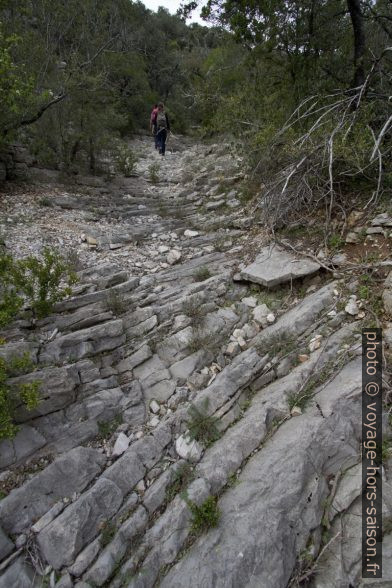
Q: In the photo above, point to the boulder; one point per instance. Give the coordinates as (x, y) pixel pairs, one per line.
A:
(274, 266)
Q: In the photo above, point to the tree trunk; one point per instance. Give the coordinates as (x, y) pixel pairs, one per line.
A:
(354, 7)
(92, 155)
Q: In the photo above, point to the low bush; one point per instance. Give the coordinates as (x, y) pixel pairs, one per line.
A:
(201, 425)
(12, 395)
(41, 281)
(125, 160)
(206, 516)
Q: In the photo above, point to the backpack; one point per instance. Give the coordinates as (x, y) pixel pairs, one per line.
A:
(161, 120)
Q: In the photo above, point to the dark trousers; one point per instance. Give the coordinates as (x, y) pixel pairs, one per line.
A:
(156, 138)
(161, 139)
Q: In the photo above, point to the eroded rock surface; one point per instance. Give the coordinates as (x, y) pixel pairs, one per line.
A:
(167, 379)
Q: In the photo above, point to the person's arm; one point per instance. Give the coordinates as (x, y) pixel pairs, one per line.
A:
(167, 122)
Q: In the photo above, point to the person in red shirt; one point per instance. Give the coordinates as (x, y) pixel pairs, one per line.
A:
(153, 126)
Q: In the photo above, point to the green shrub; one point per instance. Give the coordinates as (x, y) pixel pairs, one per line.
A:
(10, 395)
(202, 274)
(125, 160)
(20, 365)
(153, 172)
(203, 340)
(42, 282)
(182, 477)
(206, 516)
(201, 425)
(335, 242)
(10, 304)
(108, 531)
(116, 302)
(44, 201)
(195, 310)
(107, 428)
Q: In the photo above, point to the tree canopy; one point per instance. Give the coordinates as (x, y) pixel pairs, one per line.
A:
(76, 77)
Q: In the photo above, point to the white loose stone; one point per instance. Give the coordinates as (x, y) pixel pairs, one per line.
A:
(260, 314)
(352, 238)
(250, 301)
(296, 411)
(173, 256)
(154, 422)
(154, 406)
(315, 343)
(232, 349)
(352, 308)
(140, 486)
(189, 233)
(188, 449)
(271, 318)
(121, 445)
(238, 333)
(91, 241)
(241, 342)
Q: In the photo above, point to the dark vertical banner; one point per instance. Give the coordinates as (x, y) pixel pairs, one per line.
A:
(371, 453)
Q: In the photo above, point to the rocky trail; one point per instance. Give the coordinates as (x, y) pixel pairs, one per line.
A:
(184, 319)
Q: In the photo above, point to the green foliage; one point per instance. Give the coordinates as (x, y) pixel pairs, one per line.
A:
(11, 396)
(20, 365)
(153, 171)
(182, 477)
(335, 241)
(41, 281)
(278, 344)
(204, 517)
(107, 428)
(115, 301)
(195, 310)
(126, 160)
(386, 450)
(364, 292)
(202, 426)
(301, 399)
(108, 531)
(74, 80)
(16, 85)
(202, 274)
(203, 340)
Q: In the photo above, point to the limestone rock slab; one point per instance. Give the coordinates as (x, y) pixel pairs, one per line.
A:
(61, 541)
(70, 473)
(274, 265)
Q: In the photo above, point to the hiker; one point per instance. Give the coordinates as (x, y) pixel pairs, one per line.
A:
(162, 126)
(153, 127)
